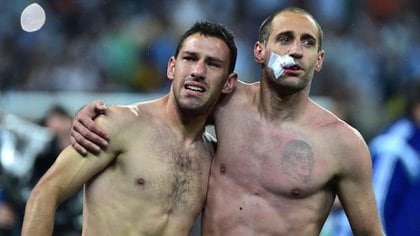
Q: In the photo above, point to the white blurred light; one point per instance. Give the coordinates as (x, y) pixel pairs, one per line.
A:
(32, 18)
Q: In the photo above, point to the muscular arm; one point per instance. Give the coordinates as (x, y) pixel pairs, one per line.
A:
(65, 177)
(355, 189)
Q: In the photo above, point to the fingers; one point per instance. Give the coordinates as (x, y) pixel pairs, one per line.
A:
(86, 135)
(99, 107)
(79, 148)
(82, 144)
(88, 131)
(92, 131)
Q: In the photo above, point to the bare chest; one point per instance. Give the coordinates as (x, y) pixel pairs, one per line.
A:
(159, 170)
(165, 161)
(275, 160)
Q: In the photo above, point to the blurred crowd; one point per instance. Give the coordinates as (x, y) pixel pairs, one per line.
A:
(27, 150)
(372, 49)
(372, 46)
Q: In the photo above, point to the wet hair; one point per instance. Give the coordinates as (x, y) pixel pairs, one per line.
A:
(265, 28)
(213, 30)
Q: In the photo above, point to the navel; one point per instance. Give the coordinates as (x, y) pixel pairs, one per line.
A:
(140, 181)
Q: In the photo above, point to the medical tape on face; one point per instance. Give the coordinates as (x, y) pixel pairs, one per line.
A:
(277, 63)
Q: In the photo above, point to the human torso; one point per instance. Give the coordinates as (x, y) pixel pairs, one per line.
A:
(155, 186)
(268, 178)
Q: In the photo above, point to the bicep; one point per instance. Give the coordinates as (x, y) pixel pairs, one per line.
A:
(355, 190)
(71, 171)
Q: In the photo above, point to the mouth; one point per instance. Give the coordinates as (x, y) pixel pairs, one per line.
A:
(195, 87)
(293, 70)
(294, 67)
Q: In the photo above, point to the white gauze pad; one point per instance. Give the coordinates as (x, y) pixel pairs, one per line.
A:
(277, 63)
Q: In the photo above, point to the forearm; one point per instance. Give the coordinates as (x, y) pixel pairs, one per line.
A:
(372, 230)
(39, 214)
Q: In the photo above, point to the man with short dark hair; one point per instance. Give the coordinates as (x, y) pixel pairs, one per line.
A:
(281, 158)
(153, 177)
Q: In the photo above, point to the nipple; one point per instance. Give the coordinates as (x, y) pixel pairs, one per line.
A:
(296, 192)
(222, 169)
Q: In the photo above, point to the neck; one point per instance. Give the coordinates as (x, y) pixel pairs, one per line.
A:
(189, 126)
(279, 103)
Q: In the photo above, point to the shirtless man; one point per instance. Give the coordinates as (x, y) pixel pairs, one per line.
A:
(153, 177)
(281, 159)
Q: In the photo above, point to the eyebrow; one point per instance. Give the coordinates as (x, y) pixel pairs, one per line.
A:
(188, 53)
(291, 34)
(308, 36)
(284, 33)
(208, 58)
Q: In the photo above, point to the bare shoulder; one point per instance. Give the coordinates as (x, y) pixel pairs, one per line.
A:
(116, 115)
(247, 88)
(119, 121)
(120, 115)
(124, 111)
(347, 137)
(244, 93)
(335, 126)
(346, 142)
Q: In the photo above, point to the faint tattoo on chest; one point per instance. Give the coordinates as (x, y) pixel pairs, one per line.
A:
(297, 160)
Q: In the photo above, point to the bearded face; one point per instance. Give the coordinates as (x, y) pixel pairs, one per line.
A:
(199, 73)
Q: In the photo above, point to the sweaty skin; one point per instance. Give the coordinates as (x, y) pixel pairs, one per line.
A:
(281, 159)
(281, 178)
(157, 187)
(155, 182)
(152, 179)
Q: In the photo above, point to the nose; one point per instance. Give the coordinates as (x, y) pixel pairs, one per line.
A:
(199, 70)
(296, 51)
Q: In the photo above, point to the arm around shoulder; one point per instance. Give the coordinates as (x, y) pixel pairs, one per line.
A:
(85, 134)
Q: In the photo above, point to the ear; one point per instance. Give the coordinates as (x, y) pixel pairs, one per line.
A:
(230, 84)
(259, 52)
(170, 71)
(319, 61)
